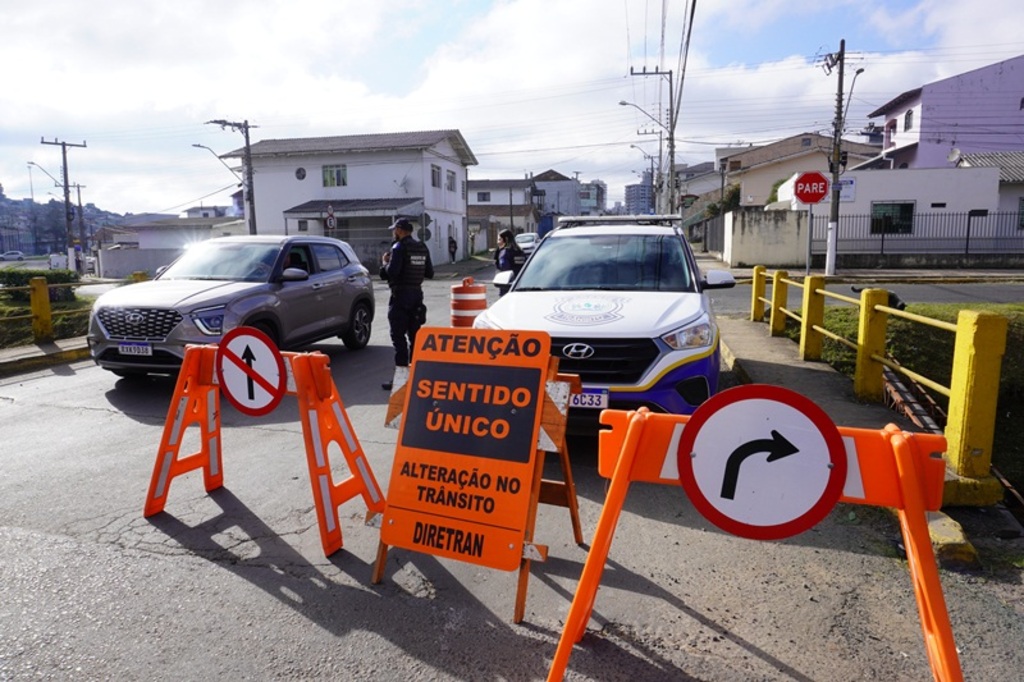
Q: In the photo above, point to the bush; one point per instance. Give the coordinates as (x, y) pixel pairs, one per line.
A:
(930, 353)
(17, 277)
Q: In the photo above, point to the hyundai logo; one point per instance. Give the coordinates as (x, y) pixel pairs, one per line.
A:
(134, 318)
(578, 351)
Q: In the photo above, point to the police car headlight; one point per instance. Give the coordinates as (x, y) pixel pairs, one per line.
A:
(700, 335)
(210, 320)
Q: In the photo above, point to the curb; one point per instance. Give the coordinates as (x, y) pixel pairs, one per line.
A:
(27, 364)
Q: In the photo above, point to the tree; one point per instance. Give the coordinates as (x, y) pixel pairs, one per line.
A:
(53, 227)
(730, 201)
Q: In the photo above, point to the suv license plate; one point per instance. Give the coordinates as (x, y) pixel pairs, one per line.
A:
(595, 400)
(135, 348)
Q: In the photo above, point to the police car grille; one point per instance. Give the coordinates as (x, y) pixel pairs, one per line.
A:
(615, 361)
(148, 324)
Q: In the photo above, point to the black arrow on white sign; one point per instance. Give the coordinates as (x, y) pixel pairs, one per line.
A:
(777, 447)
(248, 356)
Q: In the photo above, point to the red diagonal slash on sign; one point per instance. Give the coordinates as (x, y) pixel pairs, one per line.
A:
(250, 338)
(253, 375)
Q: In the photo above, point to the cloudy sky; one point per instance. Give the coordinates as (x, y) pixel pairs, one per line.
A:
(531, 84)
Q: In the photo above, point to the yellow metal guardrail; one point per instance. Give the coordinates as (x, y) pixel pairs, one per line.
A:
(41, 313)
(980, 341)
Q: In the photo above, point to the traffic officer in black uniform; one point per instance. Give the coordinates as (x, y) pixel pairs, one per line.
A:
(403, 268)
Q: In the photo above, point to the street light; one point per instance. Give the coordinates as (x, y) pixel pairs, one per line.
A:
(669, 179)
(849, 95)
(56, 182)
(67, 201)
(224, 163)
(624, 103)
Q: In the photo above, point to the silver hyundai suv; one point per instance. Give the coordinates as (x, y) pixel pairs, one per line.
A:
(295, 289)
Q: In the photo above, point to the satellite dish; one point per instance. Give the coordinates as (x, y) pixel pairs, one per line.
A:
(954, 156)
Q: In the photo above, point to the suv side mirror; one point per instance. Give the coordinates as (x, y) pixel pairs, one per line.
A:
(294, 275)
(503, 280)
(717, 279)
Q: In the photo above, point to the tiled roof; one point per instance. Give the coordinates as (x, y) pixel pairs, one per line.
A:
(179, 223)
(1010, 164)
(341, 206)
(477, 185)
(792, 147)
(896, 102)
(487, 211)
(550, 176)
(359, 143)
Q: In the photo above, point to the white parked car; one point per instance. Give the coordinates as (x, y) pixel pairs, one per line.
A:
(12, 255)
(627, 309)
(527, 241)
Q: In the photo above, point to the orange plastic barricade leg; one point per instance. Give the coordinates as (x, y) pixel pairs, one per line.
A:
(553, 422)
(887, 468)
(540, 551)
(196, 402)
(324, 421)
(924, 572)
(583, 602)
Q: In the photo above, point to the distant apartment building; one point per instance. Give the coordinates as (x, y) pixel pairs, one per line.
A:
(593, 198)
(640, 197)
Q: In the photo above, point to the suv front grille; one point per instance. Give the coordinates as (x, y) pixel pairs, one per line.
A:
(142, 324)
(614, 361)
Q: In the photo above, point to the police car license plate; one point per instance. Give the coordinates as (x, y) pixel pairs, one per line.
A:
(595, 400)
(134, 348)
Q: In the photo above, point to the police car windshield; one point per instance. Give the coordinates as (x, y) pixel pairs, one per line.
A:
(608, 262)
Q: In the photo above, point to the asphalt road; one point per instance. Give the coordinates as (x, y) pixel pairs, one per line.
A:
(235, 584)
(736, 301)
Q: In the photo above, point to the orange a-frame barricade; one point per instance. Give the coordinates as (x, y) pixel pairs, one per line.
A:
(887, 468)
(196, 402)
(559, 493)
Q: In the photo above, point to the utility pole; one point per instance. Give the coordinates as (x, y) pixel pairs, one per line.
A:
(81, 225)
(69, 215)
(832, 235)
(669, 180)
(250, 198)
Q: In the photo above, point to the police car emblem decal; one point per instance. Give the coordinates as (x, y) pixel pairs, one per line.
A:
(585, 311)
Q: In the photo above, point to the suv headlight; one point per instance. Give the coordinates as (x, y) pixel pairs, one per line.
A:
(210, 320)
(700, 335)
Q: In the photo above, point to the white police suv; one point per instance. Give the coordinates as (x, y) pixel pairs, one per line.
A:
(624, 302)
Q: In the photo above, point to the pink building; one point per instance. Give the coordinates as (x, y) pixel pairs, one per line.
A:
(934, 125)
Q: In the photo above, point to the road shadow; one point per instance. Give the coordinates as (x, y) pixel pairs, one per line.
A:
(411, 608)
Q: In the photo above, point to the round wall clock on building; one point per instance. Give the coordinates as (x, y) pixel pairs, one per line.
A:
(300, 173)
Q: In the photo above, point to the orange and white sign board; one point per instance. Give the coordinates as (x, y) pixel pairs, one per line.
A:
(464, 463)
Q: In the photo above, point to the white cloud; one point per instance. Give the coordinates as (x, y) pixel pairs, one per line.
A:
(532, 84)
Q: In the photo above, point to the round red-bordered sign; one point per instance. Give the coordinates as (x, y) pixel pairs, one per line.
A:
(762, 462)
(251, 371)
